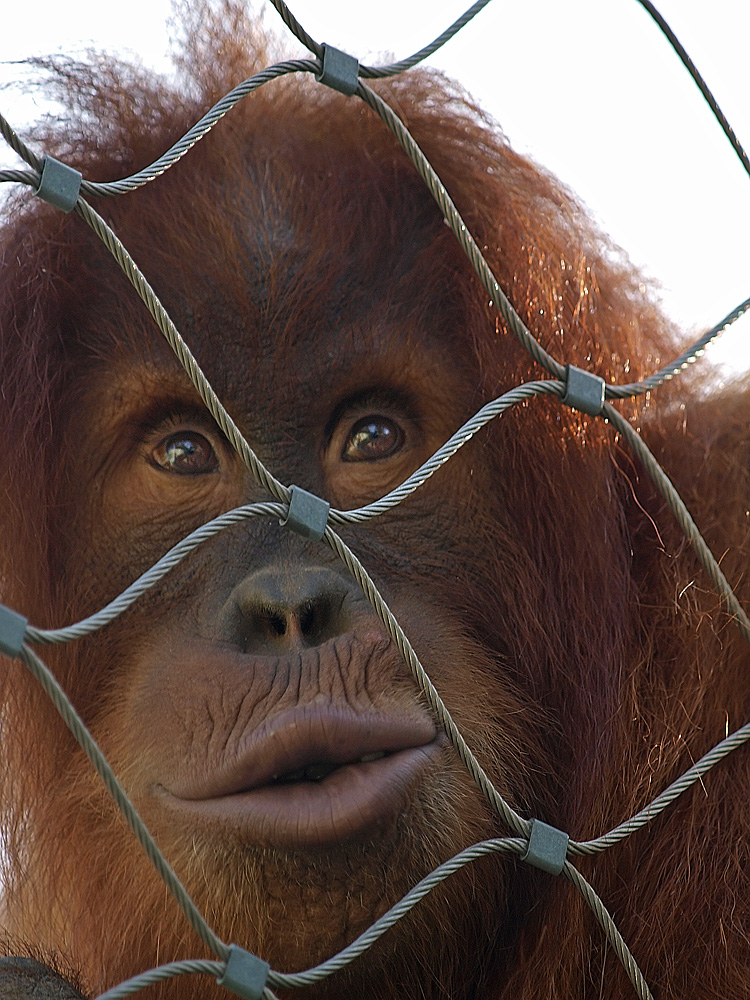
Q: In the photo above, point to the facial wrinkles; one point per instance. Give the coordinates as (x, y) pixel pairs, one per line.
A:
(231, 694)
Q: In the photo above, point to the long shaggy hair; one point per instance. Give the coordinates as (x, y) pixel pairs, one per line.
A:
(577, 585)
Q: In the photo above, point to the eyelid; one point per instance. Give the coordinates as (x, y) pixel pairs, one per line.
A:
(168, 417)
(164, 418)
(172, 417)
(392, 403)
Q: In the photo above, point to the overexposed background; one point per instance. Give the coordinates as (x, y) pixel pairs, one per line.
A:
(590, 89)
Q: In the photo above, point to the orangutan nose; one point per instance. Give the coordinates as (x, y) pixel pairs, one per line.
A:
(278, 609)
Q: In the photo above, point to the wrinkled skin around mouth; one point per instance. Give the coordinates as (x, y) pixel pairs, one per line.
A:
(317, 766)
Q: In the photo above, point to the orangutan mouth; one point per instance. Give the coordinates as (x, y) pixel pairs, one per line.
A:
(319, 770)
(311, 777)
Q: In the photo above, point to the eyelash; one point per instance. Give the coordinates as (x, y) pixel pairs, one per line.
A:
(393, 404)
(163, 420)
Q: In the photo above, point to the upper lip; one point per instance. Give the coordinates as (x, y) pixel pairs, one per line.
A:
(298, 738)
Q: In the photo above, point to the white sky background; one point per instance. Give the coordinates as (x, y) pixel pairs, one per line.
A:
(589, 88)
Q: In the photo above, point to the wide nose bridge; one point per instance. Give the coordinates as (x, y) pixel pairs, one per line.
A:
(279, 608)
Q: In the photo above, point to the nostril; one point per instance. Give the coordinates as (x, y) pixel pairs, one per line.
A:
(270, 622)
(307, 619)
(273, 609)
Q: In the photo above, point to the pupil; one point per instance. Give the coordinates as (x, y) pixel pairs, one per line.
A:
(179, 450)
(186, 454)
(372, 438)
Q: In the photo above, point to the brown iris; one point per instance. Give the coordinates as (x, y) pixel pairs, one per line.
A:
(372, 438)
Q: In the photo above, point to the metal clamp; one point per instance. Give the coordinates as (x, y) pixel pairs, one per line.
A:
(308, 514)
(12, 632)
(60, 184)
(584, 391)
(340, 70)
(547, 847)
(245, 974)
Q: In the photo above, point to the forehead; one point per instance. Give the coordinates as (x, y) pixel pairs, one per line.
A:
(262, 290)
(288, 279)
(294, 381)
(288, 353)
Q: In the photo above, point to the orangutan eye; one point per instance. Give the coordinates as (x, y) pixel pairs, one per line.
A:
(187, 453)
(372, 438)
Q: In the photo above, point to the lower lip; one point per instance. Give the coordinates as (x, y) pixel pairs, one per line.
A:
(353, 801)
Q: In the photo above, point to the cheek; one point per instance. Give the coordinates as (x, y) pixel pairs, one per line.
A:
(119, 531)
(355, 484)
(138, 492)
(470, 680)
(439, 542)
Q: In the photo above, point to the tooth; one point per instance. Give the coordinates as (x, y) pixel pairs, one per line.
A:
(321, 770)
(316, 772)
(290, 776)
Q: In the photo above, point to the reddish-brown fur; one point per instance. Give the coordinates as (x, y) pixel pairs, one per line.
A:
(549, 593)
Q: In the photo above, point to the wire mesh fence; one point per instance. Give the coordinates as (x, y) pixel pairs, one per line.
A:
(529, 838)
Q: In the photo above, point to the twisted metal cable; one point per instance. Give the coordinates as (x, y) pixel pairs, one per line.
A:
(155, 573)
(690, 66)
(683, 516)
(376, 72)
(17, 144)
(490, 283)
(199, 130)
(173, 337)
(465, 433)
(207, 967)
(296, 28)
(19, 177)
(75, 724)
(392, 69)
(516, 822)
(686, 780)
(459, 229)
(688, 357)
(506, 845)
(616, 940)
